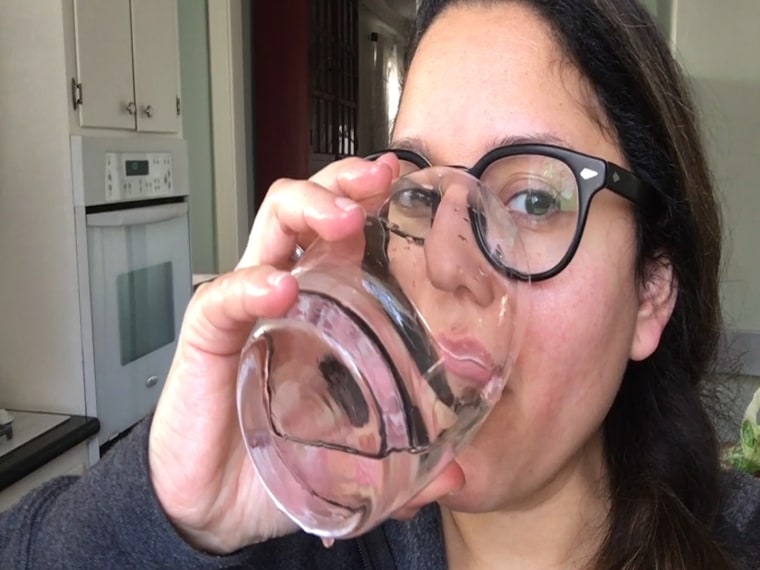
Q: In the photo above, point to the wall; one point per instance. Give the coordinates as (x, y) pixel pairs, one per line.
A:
(718, 48)
(722, 63)
(41, 361)
(662, 10)
(196, 121)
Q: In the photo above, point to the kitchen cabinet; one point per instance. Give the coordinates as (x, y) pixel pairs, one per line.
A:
(127, 65)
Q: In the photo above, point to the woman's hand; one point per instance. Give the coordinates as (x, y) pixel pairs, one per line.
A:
(200, 470)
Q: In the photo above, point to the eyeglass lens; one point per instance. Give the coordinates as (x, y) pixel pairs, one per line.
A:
(540, 193)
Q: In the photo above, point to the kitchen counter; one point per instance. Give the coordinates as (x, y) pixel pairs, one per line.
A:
(201, 278)
(38, 438)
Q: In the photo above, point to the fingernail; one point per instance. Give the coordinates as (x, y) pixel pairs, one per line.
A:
(276, 278)
(346, 204)
(380, 161)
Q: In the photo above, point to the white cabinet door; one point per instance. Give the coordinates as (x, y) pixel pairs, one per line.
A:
(156, 52)
(104, 63)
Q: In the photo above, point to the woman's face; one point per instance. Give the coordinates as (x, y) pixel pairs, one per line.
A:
(483, 75)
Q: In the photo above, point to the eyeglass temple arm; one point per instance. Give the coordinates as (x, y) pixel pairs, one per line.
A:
(627, 185)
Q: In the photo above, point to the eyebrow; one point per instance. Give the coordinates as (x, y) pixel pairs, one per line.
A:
(410, 143)
(534, 138)
(419, 146)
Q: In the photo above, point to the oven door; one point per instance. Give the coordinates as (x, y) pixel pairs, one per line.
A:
(140, 284)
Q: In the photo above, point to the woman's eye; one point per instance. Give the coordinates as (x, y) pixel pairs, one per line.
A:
(535, 203)
(414, 203)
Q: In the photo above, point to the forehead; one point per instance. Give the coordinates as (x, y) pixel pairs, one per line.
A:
(486, 73)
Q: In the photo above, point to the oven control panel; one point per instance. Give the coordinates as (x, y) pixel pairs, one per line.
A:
(138, 175)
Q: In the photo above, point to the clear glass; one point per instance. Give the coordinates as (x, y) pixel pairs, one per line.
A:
(400, 343)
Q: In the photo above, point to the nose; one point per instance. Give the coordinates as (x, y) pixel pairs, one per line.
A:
(454, 262)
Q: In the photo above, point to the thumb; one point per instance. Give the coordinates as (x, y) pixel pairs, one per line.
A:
(448, 481)
(215, 328)
(200, 387)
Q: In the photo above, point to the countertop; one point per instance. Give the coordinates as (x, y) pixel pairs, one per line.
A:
(201, 278)
(56, 434)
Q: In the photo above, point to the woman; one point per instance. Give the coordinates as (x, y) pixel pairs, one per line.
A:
(599, 455)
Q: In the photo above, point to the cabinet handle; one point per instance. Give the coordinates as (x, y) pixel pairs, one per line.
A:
(131, 108)
(76, 93)
(149, 111)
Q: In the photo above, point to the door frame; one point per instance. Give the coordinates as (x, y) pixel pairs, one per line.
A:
(230, 104)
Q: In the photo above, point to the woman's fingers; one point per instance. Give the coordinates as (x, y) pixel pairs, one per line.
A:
(195, 438)
(326, 206)
(200, 387)
(366, 182)
(221, 313)
(358, 178)
(293, 208)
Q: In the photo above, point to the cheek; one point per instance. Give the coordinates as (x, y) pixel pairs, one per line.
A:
(579, 336)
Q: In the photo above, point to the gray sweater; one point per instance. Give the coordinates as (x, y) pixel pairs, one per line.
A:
(110, 519)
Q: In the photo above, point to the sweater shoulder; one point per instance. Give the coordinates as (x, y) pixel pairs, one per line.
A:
(739, 517)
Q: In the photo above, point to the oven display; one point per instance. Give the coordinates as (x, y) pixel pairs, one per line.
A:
(138, 175)
(136, 167)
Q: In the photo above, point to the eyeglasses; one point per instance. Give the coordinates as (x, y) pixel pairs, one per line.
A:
(547, 191)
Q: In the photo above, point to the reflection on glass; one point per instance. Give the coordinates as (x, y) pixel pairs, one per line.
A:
(146, 310)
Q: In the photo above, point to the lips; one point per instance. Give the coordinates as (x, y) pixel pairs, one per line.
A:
(467, 359)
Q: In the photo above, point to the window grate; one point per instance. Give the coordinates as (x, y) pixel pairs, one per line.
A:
(334, 78)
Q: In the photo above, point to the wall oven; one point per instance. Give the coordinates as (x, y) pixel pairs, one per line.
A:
(133, 252)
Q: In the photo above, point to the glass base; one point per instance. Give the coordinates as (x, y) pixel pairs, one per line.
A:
(315, 431)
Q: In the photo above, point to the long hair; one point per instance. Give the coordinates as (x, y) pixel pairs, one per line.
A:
(660, 445)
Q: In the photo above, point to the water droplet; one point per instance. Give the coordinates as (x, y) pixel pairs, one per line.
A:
(327, 542)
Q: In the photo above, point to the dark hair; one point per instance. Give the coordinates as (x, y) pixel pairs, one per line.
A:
(660, 445)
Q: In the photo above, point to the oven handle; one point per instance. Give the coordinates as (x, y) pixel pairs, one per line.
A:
(138, 216)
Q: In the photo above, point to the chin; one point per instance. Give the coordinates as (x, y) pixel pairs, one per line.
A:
(465, 501)
(480, 494)
(489, 486)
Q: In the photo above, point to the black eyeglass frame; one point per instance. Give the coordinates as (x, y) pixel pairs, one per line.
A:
(603, 174)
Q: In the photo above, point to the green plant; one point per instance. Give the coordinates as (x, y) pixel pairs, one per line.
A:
(745, 455)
